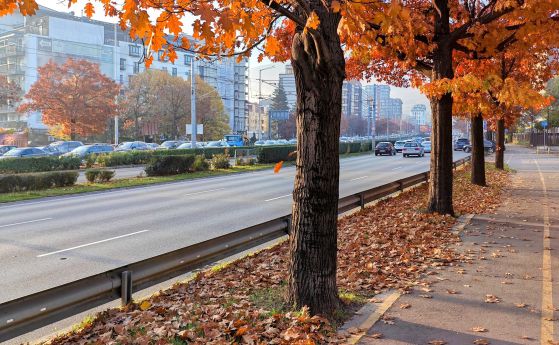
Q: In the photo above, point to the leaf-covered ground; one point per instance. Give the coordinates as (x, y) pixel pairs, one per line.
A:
(389, 245)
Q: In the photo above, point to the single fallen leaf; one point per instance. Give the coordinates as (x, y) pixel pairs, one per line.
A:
(525, 337)
(479, 329)
(376, 335)
(425, 296)
(353, 330)
(549, 319)
(492, 299)
(405, 306)
(481, 342)
(452, 292)
(145, 305)
(241, 331)
(520, 305)
(437, 342)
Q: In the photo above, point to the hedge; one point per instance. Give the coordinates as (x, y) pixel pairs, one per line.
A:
(143, 157)
(169, 165)
(37, 181)
(274, 154)
(38, 164)
(99, 175)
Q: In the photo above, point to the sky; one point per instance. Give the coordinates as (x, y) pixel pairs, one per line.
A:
(409, 96)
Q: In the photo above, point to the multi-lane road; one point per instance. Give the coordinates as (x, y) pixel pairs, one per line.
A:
(48, 242)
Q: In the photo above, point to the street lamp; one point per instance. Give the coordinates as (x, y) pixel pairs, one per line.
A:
(260, 98)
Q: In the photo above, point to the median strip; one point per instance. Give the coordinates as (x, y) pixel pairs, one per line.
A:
(92, 243)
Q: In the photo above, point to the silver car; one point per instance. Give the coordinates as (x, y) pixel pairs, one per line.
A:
(426, 146)
(413, 149)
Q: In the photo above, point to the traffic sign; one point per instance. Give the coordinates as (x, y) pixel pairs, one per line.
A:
(281, 115)
(544, 124)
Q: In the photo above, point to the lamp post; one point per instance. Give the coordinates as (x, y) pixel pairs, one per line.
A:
(259, 99)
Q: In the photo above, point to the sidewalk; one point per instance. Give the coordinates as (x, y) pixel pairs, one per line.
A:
(504, 292)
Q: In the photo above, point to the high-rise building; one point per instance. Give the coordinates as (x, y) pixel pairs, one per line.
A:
(257, 120)
(287, 82)
(352, 98)
(418, 114)
(27, 43)
(376, 99)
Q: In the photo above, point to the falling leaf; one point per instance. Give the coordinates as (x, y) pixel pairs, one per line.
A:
(312, 21)
(89, 10)
(277, 167)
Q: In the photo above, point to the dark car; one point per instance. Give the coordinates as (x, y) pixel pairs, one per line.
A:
(459, 144)
(50, 150)
(385, 148)
(6, 148)
(488, 146)
(83, 151)
(26, 152)
(171, 144)
(63, 147)
(132, 145)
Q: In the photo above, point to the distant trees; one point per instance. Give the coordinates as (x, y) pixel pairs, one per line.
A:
(10, 92)
(156, 97)
(75, 98)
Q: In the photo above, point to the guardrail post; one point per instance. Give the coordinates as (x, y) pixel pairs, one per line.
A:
(126, 288)
(362, 200)
(401, 183)
(288, 224)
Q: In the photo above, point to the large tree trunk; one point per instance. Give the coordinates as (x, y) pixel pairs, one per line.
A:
(440, 183)
(500, 152)
(478, 151)
(319, 68)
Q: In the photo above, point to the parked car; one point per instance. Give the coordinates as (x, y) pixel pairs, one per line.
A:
(413, 149)
(234, 140)
(399, 145)
(259, 143)
(293, 142)
(189, 146)
(6, 148)
(170, 144)
(282, 142)
(25, 152)
(63, 147)
(132, 145)
(385, 148)
(83, 151)
(217, 144)
(50, 150)
(269, 143)
(152, 146)
(488, 146)
(426, 146)
(459, 144)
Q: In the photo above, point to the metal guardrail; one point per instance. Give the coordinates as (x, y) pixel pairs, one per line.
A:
(31, 312)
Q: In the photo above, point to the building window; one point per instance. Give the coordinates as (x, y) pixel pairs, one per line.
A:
(134, 50)
(187, 59)
(136, 67)
(123, 64)
(121, 79)
(174, 72)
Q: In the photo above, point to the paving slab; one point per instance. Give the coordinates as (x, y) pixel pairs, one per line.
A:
(505, 294)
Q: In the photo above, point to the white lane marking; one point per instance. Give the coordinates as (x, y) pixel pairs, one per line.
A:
(204, 191)
(27, 222)
(397, 168)
(279, 197)
(358, 178)
(92, 243)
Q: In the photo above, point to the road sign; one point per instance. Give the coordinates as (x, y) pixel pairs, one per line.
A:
(544, 124)
(199, 129)
(280, 115)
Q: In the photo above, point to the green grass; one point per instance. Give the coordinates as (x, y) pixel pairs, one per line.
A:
(126, 183)
(271, 299)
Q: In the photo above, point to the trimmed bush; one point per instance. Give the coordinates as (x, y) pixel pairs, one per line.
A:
(38, 164)
(106, 175)
(274, 154)
(169, 165)
(200, 164)
(37, 181)
(354, 147)
(99, 175)
(220, 162)
(91, 175)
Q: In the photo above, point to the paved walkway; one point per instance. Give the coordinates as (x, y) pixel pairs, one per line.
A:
(506, 295)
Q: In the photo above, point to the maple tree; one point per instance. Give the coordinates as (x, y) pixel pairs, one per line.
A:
(415, 42)
(74, 97)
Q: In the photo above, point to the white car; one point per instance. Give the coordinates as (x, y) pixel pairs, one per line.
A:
(399, 145)
(426, 146)
(413, 149)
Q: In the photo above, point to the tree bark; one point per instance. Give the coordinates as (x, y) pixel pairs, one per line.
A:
(319, 69)
(440, 182)
(500, 151)
(478, 151)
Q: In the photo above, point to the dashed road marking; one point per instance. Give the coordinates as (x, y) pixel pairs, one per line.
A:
(26, 222)
(279, 197)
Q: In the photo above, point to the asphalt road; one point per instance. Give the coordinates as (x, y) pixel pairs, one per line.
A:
(45, 243)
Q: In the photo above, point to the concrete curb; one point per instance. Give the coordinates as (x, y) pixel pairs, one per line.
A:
(370, 313)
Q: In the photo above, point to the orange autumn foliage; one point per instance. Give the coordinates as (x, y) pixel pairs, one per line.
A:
(75, 97)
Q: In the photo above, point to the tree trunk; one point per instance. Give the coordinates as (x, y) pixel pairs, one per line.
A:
(478, 151)
(440, 182)
(319, 69)
(72, 129)
(500, 151)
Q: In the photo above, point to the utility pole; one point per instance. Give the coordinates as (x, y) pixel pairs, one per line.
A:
(194, 128)
(259, 100)
(116, 72)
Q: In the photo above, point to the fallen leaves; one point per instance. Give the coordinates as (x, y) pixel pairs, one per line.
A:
(482, 342)
(479, 329)
(405, 306)
(520, 305)
(437, 342)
